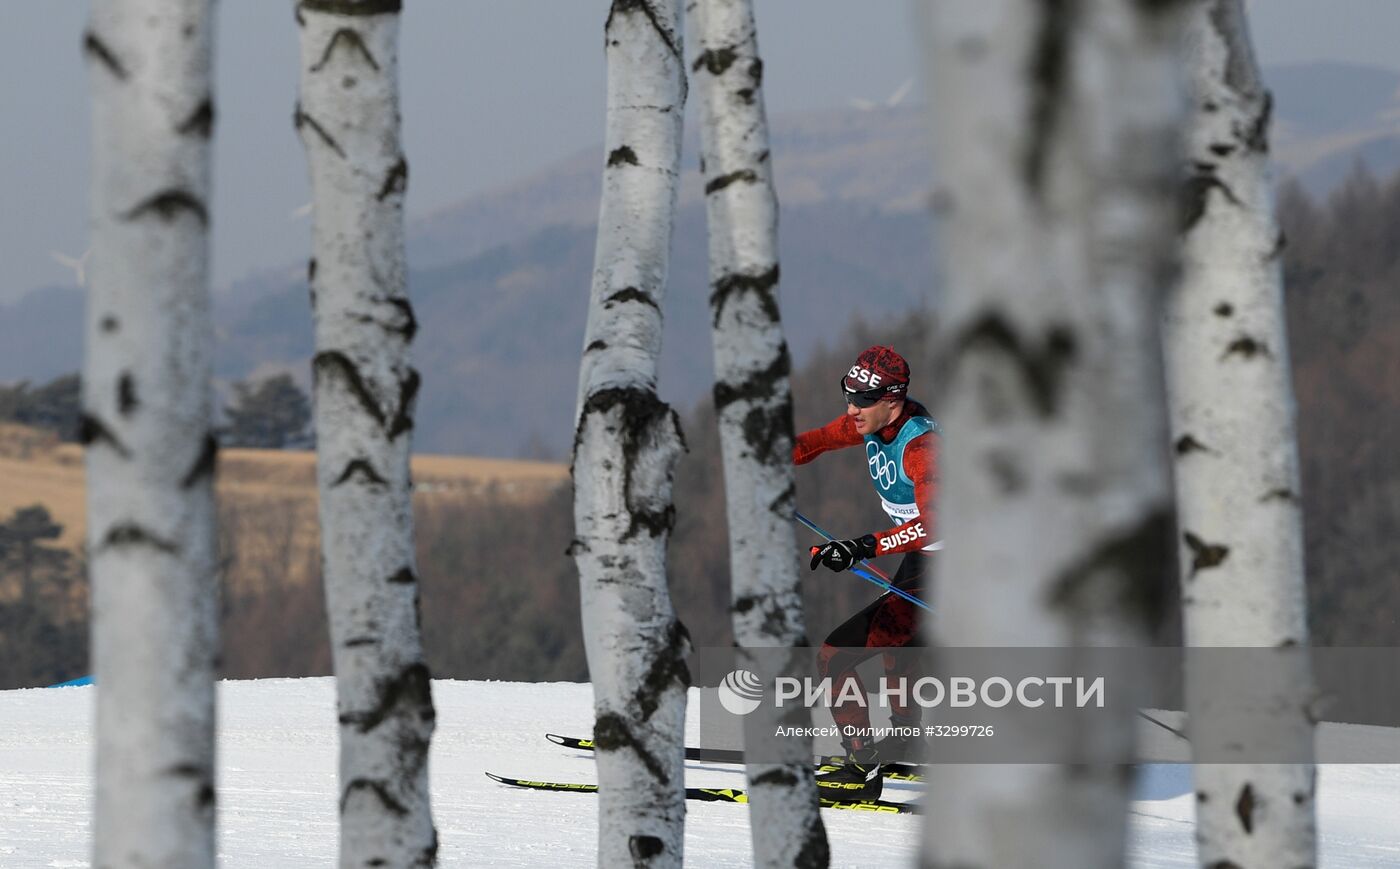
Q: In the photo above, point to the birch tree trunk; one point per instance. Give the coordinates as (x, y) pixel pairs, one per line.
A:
(1232, 413)
(1056, 126)
(146, 424)
(364, 391)
(625, 450)
(753, 402)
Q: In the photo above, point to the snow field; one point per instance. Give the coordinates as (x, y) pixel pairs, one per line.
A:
(277, 787)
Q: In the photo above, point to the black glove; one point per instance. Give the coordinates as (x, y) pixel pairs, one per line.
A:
(841, 554)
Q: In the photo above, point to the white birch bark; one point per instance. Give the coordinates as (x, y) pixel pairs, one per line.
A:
(1233, 426)
(146, 423)
(1055, 129)
(753, 403)
(348, 117)
(625, 450)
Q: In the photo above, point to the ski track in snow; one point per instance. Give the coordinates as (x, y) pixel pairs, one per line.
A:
(277, 787)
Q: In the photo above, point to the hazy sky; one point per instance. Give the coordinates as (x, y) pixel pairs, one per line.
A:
(492, 91)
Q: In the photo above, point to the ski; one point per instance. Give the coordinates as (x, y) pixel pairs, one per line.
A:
(710, 795)
(825, 762)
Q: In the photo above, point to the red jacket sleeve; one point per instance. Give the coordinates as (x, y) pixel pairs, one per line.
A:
(921, 465)
(840, 432)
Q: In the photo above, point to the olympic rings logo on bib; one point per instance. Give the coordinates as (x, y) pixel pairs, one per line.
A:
(883, 470)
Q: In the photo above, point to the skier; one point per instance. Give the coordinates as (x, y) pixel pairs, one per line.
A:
(901, 451)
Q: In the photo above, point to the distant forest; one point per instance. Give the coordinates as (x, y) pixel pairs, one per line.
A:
(500, 597)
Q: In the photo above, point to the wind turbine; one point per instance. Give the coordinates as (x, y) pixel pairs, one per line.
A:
(890, 102)
(79, 265)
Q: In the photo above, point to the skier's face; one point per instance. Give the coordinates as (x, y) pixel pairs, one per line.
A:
(871, 419)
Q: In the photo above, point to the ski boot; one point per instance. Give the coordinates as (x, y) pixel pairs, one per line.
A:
(858, 778)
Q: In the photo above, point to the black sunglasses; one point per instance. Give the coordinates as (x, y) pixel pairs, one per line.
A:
(864, 398)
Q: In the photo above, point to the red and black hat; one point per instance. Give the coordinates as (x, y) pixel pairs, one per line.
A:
(879, 373)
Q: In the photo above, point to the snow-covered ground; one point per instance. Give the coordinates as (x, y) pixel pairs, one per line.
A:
(277, 793)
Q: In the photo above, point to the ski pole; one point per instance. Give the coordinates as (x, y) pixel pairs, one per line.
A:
(874, 575)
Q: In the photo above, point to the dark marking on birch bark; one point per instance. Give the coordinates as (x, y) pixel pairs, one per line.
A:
(644, 848)
(407, 695)
(668, 670)
(377, 787)
(768, 424)
(1010, 478)
(132, 534)
(783, 505)
(168, 204)
(630, 294)
(200, 123)
(816, 851)
(1126, 568)
(645, 7)
(352, 7)
(110, 324)
(763, 285)
(311, 270)
(396, 182)
(204, 463)
(353, 41)
(716, 60)
(363, 468)
(1188, 444)
(1222, 149)
(777, 618)
(126, 394)
(333, 360)
(302, 119)
(1049, 66)
(409, 327)
(1195, 194)
(1280, 244)
(642, 415)
(781, 776)
(748, 176)
(428, 856)
(611, 733)
(763, 158)
(1244, 809)
(96, 49)
(1247, 347)
(1204, 555)
(404, 576)
(91, 430)
(1224, 309)
(408, 395)
(1042, 369)
(598, 344)
(357, 642)
(1280, 494)
(1256, 139)
(623, 156)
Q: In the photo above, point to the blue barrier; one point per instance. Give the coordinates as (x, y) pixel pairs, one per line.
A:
(74, 683)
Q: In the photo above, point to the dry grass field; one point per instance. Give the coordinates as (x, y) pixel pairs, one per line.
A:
(267, 498)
